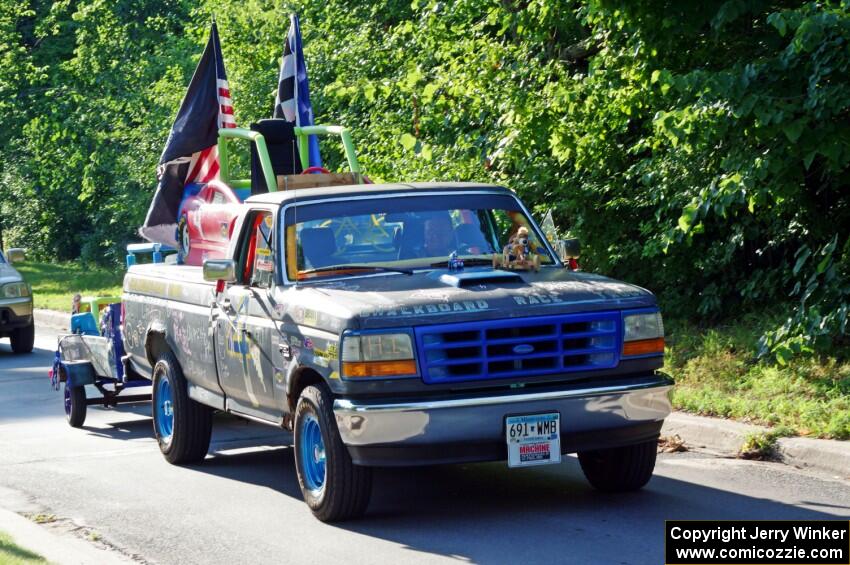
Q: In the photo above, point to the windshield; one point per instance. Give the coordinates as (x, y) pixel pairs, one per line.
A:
(402, 232)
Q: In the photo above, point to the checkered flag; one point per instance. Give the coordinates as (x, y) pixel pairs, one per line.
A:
(293, 90)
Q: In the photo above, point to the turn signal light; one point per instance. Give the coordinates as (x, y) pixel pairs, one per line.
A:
(353, 369)
(644, 346)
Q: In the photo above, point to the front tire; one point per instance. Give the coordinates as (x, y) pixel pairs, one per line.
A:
(75, 405)
(181, 425)
(619, 469)
(23, 339)
(333, 486)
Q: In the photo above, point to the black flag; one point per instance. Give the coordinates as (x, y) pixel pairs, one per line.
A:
(191, 154)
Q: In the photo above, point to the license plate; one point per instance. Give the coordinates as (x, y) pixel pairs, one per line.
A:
(534, 439)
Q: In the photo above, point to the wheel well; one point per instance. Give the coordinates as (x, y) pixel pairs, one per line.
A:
(301, 379)
(155, 345)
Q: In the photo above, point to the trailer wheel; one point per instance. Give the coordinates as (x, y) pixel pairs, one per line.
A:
(181, 425)
(619, 469)
(333, 486)
(22, 339)
(75, 405)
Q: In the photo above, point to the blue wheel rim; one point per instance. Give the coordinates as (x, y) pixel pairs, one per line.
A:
(312, 448)
(164, 410)
(67, 400)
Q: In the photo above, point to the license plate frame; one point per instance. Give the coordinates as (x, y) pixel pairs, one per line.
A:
(533, 444)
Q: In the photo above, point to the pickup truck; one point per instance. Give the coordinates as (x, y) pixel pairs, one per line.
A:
(373, 322)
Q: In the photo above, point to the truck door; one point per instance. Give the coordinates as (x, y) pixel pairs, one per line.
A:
(245, 330)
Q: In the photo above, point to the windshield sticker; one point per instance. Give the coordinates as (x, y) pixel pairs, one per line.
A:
(308, 343)
(432, 309)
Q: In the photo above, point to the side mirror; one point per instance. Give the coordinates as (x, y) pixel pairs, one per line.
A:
(16, 255)
(216, 270)
(568, 249)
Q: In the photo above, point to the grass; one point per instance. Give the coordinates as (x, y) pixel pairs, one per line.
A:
(717, 374)
(43, 518)
(54, 284)
(762, 445)
(13, 554)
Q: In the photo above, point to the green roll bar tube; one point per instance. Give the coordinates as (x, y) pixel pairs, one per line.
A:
(301, 133)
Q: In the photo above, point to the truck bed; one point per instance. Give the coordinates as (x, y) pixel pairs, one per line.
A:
(183, 283)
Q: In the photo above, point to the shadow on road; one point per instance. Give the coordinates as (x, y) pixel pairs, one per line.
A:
(273, 468)
(439, 510)
(449, 510)
(125, 429)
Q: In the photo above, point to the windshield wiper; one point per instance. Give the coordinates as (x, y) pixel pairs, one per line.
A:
(466, 262)
(366, 267)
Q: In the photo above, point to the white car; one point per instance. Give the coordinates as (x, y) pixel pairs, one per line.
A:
(16, 321)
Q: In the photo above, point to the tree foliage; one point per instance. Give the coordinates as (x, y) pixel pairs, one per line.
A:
(698, 148)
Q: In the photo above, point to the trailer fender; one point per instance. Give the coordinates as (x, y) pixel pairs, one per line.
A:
(78, 373)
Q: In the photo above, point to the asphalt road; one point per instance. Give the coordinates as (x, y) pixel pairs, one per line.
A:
(242, 505)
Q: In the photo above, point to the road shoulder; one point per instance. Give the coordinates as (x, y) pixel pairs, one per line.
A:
(55, 548)
(727, 437)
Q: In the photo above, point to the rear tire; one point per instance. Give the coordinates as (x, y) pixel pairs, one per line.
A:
(181, 425)
(22, 339)
(619, 469)
(75, 405)
(333, 486)
(183, 241)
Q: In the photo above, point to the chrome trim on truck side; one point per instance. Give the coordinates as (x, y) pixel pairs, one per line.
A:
(481, 419)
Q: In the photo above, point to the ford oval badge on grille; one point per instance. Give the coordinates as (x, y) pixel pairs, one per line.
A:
(523, 349)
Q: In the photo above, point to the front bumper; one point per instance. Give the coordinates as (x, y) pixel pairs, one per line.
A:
(472, 428)
(15, 313)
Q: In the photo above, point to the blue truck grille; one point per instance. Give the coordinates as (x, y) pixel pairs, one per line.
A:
(522, 347)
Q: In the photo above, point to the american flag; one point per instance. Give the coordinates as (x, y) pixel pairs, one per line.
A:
(292, 102)
(204, 164)
(191, 154)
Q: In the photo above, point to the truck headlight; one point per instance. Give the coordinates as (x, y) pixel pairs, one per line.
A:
(643, 334)
(377, 355)
(16, 290)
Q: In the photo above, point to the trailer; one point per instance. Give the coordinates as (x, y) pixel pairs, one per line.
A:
(93, 352)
